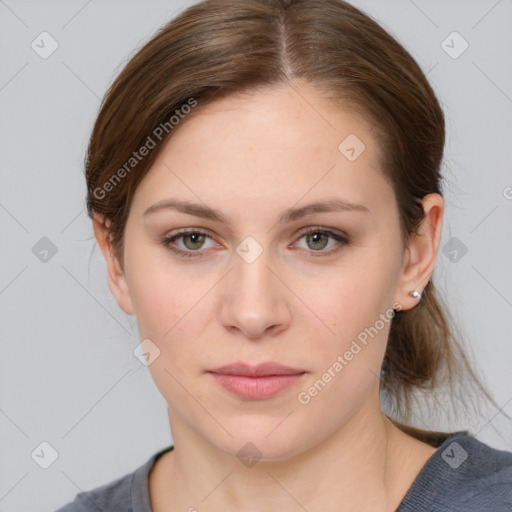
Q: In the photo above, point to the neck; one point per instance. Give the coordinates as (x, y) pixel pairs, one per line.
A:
(365, 466)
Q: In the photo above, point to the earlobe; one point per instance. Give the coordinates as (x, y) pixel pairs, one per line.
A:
(116, 276)
(421, 253)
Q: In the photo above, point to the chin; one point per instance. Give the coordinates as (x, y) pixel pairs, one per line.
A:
(262, 442)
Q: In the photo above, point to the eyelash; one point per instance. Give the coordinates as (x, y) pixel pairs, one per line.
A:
(167, 241)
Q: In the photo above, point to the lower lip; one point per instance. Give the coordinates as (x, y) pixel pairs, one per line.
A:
(256, 387)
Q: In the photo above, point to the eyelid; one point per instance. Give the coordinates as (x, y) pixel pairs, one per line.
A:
(321, 229)
(169, 239)
(341, 238)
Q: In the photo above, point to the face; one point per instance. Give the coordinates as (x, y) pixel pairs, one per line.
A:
(267, 279)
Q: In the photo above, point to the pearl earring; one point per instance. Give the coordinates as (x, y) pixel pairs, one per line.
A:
(415, 294)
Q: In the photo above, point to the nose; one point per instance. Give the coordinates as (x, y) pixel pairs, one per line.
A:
(255, 302)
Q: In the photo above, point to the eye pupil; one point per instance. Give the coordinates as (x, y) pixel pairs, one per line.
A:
(198, 240)
(314, 235)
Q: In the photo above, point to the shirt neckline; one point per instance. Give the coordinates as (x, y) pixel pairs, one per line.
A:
(140, 481)
(425, 472)
(139, 491)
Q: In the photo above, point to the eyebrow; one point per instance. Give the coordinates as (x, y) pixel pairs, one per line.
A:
(289, 215)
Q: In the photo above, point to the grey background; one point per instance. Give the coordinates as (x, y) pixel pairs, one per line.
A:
(68, 375)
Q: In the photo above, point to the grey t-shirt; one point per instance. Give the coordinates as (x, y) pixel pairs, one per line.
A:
(463, 475)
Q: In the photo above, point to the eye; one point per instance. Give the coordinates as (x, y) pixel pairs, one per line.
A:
(193, 240)
(317, 238)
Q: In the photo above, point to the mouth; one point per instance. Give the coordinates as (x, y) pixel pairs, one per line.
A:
(256, 382)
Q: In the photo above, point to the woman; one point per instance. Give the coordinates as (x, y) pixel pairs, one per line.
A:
(263, 180)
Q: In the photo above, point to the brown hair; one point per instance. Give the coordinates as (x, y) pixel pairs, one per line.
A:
(219, 47)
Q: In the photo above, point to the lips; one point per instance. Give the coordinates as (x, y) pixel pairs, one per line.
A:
(260, 370)
(256, 382)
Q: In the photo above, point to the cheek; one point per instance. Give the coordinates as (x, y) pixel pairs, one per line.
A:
(159, 295)
(356, 312)
(170, 311)
(354, 300)
(346, 363)
(360, 326)
(167, 316)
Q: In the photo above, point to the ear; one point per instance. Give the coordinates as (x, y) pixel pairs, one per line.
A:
(421, 252)
(116, 278)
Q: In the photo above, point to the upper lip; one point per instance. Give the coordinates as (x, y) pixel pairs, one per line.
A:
(260, 370)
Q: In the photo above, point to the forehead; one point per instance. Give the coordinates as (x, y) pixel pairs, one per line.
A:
(278, 145)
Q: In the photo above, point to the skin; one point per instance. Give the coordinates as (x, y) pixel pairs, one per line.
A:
(251, 157)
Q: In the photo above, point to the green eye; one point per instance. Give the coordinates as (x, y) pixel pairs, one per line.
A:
(196, 240)
(317, 239)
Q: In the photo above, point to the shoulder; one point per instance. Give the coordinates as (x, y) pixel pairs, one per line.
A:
(464, 474)
(128, 493)
(112, 496)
